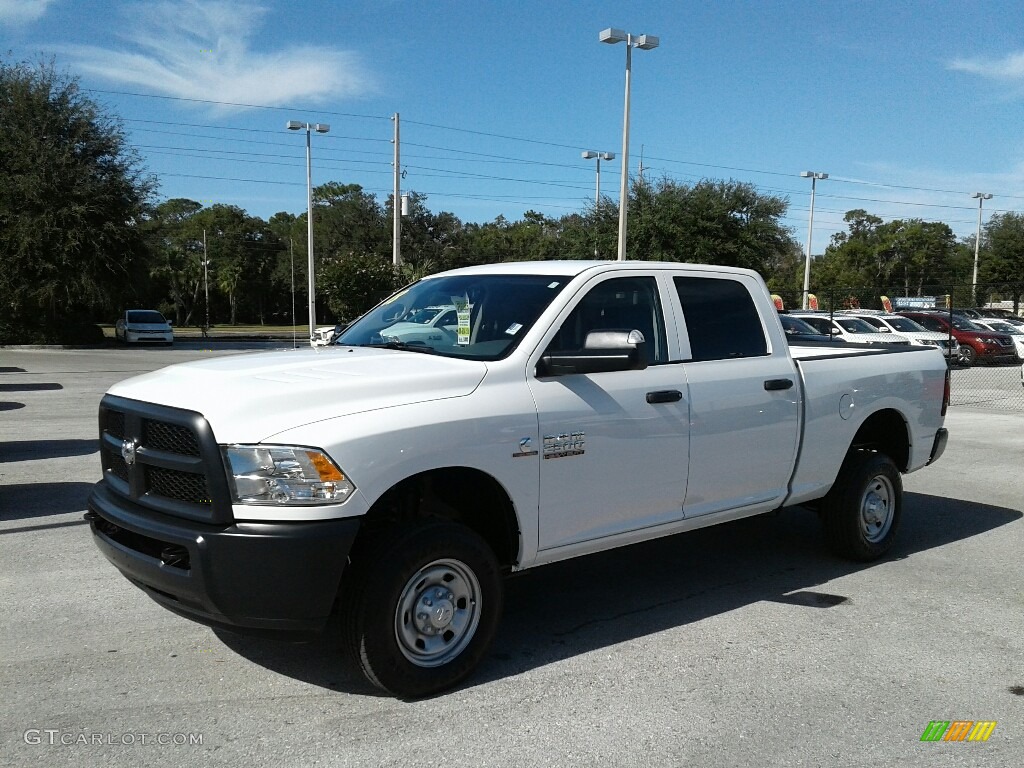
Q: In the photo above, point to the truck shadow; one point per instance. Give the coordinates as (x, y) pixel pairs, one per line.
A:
(34, 500)
(29, 450)
(578, 606)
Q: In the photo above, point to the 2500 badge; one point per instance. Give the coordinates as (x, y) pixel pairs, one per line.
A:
(565, 444)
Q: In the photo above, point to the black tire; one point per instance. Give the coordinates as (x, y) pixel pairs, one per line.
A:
(862, 512)
(967, 355)
(437, 567)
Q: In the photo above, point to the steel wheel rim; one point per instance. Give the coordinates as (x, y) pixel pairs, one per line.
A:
(438, 613)
(877, 506)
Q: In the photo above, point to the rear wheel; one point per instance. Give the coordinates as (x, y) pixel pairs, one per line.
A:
(862, 512)
(422, 607)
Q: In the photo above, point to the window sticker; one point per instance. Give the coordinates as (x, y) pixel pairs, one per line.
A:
(554, 284)
(463, 310)
(513, 329)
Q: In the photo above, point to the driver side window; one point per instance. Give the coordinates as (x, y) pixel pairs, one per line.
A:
(621, 303)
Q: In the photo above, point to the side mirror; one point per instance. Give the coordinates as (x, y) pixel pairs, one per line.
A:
(603, 351)
(339, 329)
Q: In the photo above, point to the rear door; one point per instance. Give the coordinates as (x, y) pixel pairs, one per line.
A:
(744, 396)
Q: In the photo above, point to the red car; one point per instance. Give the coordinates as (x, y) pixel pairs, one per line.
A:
(977, 344)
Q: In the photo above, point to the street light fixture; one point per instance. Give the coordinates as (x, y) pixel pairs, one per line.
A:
(645, 43)
(981, 197)
(295, 125)
(599, 156)
(814, 176)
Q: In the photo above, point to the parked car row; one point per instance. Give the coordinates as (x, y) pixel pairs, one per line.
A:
(962, 340)
(977, 343)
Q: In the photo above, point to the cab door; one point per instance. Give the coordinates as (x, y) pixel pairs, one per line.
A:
(614, 445)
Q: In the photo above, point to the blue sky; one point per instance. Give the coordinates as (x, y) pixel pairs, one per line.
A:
(909, 106)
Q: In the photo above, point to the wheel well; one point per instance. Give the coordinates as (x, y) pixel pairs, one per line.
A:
(460, 494)
(885, 432)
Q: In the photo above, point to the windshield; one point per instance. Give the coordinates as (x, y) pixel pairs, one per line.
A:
(855, 325)
(1002, 327)
(145, 316)
(479, 317)
(794, 326)
(905, 324)
(961, 323)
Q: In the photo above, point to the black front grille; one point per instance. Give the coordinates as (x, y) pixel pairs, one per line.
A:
(173, 438)
(115, 424)
(183, 486)
(117, 465)
(164, 459)
(1005, 342)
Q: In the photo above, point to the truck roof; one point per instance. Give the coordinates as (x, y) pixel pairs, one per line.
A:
(574, 267)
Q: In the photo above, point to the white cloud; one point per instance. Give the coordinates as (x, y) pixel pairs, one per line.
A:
(1010, 67)
(22, 11)
(199, 49)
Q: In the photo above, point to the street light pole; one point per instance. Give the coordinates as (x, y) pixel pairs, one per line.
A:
(591, 155)
(646, 43)
(982, 197)
(295, 125)
(813, 176)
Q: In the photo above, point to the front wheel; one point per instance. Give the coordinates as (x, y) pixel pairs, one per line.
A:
(967, 355)
(421, 610)
(862, 512)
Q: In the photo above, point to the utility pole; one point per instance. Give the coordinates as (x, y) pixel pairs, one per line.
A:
(396, 246)
(291, 252)
(206, 284)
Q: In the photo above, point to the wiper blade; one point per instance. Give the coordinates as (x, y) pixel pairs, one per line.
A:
(405, 346)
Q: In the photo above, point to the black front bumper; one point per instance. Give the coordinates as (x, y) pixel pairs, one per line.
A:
(264, 578)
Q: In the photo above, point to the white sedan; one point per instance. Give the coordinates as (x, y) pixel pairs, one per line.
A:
(143, 325)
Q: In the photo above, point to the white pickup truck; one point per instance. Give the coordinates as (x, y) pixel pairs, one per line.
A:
(573, 407)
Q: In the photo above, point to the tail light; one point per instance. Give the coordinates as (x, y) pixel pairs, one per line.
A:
(946, 393)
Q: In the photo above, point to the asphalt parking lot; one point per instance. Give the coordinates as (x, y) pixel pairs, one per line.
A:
(740, 645)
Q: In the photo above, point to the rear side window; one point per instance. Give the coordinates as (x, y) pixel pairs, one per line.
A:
(721, 319)
(931, 323)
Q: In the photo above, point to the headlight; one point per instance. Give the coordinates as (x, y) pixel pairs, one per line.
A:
(284, 475)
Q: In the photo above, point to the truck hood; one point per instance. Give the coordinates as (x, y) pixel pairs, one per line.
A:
(250, 397)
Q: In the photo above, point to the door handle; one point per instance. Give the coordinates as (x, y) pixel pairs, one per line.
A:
(665, 396)
(773, 384)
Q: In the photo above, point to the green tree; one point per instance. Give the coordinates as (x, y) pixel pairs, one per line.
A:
(176, 264)
(711, 222)
(874, 257)
(347, 220)
(1003, 243)
(71, 195)
(356, 283)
